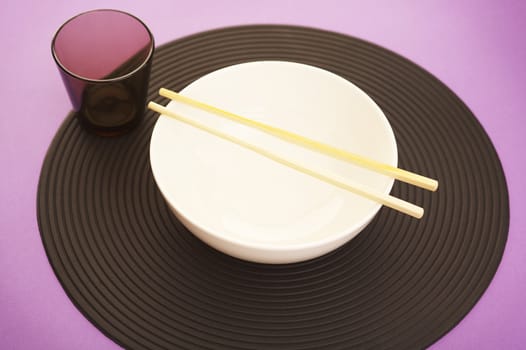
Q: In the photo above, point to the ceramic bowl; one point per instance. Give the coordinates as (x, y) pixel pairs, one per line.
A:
(254, 208)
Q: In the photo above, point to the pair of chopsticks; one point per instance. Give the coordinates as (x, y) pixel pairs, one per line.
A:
(385, 199)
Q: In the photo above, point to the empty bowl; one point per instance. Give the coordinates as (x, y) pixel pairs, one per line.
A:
(249, 206)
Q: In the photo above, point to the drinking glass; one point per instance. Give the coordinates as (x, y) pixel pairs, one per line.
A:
(104, 57)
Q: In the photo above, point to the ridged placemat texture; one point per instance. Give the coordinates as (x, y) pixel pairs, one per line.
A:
(136, 273)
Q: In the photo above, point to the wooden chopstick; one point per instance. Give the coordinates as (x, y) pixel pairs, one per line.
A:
(397, 173)
(385, 199)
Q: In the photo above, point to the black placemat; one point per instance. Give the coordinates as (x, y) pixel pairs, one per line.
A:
(136, 273)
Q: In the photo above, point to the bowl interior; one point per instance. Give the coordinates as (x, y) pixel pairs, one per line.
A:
(240, 196)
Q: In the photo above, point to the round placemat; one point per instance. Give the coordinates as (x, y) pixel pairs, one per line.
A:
(138, 275)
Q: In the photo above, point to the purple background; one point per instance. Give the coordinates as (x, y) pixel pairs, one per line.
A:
(477, 48)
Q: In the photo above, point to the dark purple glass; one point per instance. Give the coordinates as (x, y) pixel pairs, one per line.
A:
(104, 57)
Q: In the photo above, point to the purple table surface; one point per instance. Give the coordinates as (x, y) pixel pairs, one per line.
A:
(477, 48)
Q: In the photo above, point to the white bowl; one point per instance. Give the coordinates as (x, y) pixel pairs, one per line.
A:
(249, 206)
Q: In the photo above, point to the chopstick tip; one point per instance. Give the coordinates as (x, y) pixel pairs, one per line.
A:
(165, 92)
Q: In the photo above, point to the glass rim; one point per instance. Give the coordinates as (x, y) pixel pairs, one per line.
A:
(91, 80)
